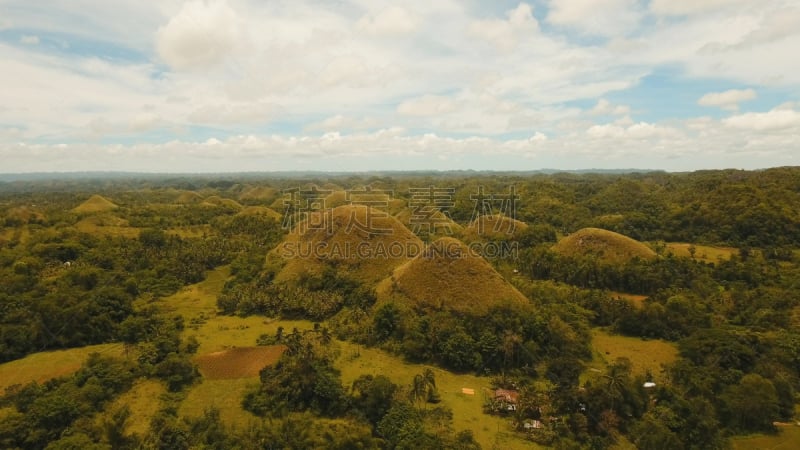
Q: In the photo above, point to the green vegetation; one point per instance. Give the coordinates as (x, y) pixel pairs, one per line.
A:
(167, 312)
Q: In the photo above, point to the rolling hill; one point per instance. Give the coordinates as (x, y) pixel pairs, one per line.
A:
(360, 242)
(493, 227)
(95, 204)
(447, 276)
(610, 247)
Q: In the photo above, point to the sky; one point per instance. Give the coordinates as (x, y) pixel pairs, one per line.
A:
(355, 85)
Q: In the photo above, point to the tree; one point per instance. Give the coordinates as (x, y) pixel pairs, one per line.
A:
(751, 405)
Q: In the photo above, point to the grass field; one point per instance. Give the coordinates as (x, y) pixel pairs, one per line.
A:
(143, 402)
(787, 438)
(490, 431)
(644, 355)
(225, 395)
(43, 366)
(702, 252)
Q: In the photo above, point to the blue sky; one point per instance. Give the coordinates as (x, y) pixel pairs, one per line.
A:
(247, 85)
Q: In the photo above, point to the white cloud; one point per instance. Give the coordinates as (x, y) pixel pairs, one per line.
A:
(505, 34)
(728, 100)
(340, 122)
(605, 108)
(427, 105)
(596, 17)
(201, 35)
(29, 40)
(774, 120)
(688, 7)
(637, 131)
(390, 21)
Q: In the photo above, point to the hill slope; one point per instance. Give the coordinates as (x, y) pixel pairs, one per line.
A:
(360, 242)
(448, 276)
(95, 204)
(493, 227)
(610, 247)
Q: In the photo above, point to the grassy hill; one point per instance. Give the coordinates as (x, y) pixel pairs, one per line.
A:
(493, 227)
(188, 198)
(437, 224)
(360, 242)
(259, 193)
(448, 276)
(610, 247)
(95, 204)
(260, 211)
(24, 215)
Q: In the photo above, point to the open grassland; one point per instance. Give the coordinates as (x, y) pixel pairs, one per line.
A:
(143, 402)
(608, 246)
(490, 431)
(43, 366)
(788, 437)
(225, 395)
(703, 253)
(644, 355)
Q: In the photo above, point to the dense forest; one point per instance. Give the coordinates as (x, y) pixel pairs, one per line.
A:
(86, 261)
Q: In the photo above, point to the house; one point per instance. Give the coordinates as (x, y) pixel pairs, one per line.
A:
(507, 399)
(532, 424)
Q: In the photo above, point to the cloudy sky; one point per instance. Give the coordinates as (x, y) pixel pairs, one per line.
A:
(256, 85)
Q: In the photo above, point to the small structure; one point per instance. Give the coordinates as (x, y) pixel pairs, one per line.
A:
(649, 384)
(532, 425)
(507, 399)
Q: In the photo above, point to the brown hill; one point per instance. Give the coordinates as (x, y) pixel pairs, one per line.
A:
(447, 275)
(25, 214)
(359, 242)
(95, 204)
(259, 193)
(188, 198)
(610, 247)
(437, 224)
(493, 227)
(260, 211)
(218, 201)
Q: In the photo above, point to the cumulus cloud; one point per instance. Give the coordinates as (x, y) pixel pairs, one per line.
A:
(688, 7)
(427, 105)
(596, 17)
(605, 108)
(774, 120)
(201, 35)
(390, 21)
(728, 100)
(505, 34)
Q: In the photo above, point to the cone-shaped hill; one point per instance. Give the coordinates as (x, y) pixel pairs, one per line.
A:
(493, 227)
(260, 211)
(610, 247)
(217, 201)
(259, 193)
(437, 223)
(448, 276)
(188, 197)
(360, 242)
(24, 214)
(95, 204)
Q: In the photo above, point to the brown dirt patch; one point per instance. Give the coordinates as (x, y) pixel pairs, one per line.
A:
(240, 362)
